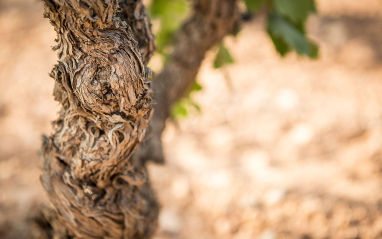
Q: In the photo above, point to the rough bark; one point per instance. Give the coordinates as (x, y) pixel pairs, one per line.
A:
(133, 12)
(98, 189)
(102, 84)
(211, 21)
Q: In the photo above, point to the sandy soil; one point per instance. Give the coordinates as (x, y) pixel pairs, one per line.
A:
(283, 148)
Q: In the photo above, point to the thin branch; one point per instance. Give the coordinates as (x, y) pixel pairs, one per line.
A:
(211, 21)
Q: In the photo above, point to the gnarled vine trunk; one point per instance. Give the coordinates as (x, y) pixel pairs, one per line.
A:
(102, 84)
(98, 187)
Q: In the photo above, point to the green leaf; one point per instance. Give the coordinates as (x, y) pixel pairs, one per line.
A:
(196, 87)
(183, 107)
(295, 10)
(223, 57)
(253, 5)
(165, 7)
(281, 46)
(285, 33)
(179, 110)
(314, 50)
(196, 106)
(157, 7)
(171, 14)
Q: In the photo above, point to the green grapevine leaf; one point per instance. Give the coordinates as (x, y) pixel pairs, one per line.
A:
(223, 57)
(285, 33)
(253, 5)
(295, 10)
(171, 14)
(179, 110)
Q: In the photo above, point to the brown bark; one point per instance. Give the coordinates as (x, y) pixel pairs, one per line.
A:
(133, 12)
(211, 21)
(102, 83)
(96, 187)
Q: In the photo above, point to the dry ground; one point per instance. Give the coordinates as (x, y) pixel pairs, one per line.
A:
(283, 148)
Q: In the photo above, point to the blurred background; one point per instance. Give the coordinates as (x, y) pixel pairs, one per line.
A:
(282, 148)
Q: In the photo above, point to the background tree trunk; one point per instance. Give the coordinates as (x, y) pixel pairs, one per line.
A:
(98, 189)
(211, 21)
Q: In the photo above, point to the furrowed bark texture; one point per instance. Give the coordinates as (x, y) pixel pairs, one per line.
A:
(211, 21)
(133, 12)
(102, 84)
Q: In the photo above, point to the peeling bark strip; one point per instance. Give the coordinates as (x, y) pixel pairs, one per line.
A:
(211, 21)
(134, 14)
(102, 84)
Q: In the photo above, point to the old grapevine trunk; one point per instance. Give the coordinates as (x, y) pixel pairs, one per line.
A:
(102, 83)
(96, 182)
